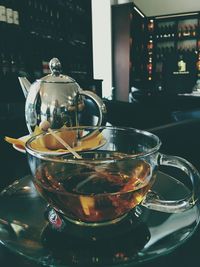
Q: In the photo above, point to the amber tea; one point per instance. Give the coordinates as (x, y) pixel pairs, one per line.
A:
(93, 193)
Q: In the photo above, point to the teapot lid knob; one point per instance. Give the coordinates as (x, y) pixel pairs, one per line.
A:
(55, 66)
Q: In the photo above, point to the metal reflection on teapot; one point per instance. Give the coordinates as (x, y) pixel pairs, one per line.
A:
(59, 99)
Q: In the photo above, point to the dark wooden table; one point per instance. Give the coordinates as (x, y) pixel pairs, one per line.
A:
(14, 165)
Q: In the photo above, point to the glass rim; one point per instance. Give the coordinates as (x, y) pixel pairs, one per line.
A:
(57, 157)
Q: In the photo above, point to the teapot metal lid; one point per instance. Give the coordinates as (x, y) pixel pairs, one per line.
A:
(56, 76)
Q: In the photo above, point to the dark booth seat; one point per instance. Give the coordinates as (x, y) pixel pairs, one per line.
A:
(153, 111)
(181, 138)
(136, 115)
(181, 115)
(179, 131)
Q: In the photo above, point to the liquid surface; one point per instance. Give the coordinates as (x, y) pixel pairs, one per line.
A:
(94, 193)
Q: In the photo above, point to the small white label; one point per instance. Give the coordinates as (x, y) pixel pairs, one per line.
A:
(16, 17)
(2, 13)
(9, 15)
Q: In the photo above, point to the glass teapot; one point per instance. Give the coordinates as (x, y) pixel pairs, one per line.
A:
(58, 99)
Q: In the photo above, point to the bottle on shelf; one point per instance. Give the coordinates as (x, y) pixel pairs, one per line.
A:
(13, 76)
(22, 69)
(28, 19)
(180, 32)
(9, 12)
(2, 15)
(150, 26)
(192, 30)
(16, 20)
(198, 64)
(181, 64)
(165, 31)
(172, 30)
(186, 31)
(5, 72)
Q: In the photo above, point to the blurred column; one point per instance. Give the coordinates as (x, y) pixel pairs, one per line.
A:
(102, 55)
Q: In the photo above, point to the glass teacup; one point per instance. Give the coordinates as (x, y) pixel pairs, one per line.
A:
(115, 173)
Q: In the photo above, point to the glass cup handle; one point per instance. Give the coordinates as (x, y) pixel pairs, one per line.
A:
(152, 200)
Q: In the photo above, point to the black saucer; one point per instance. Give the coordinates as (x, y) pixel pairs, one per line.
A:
(25, 231)
(88, 245)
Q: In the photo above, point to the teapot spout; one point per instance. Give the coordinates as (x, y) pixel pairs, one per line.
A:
(25, 85)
